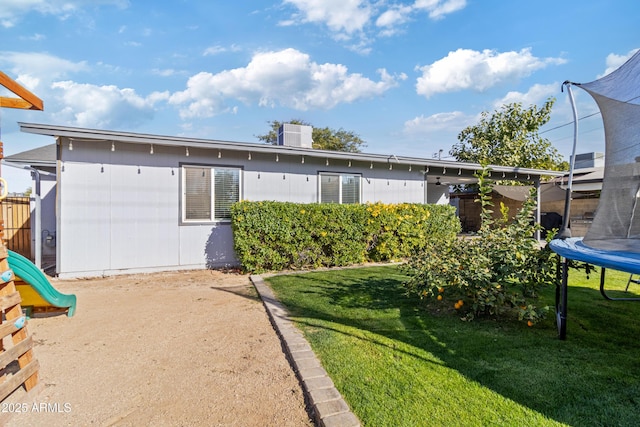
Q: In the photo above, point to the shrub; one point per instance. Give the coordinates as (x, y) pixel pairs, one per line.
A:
(277, 236)
(397, 230)
(282, 235)
(498, 272)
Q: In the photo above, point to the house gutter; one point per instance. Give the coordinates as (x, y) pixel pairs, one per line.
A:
(439, 167)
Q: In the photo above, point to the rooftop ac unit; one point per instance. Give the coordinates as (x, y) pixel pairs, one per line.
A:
(589, 160)
(295, 135)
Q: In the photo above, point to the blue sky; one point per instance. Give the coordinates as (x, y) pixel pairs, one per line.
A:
(407, 76)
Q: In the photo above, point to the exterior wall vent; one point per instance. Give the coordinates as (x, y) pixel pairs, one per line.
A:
(295, 135)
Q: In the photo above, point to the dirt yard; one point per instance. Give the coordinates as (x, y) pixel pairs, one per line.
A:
(166, 349)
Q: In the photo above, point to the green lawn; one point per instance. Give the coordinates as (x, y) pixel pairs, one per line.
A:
(399, 362)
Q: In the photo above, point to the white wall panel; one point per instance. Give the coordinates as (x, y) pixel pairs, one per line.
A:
(144, 217)
(208, 246)
(84, 242)
(437, 194)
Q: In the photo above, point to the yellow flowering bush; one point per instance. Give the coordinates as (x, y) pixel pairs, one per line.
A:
(271, 236)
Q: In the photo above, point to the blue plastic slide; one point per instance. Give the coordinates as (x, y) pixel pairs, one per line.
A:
(45, 294)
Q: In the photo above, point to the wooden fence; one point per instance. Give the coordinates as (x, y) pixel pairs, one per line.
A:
(16, 211)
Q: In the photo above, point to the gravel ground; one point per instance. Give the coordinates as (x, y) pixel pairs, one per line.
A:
(167, 349)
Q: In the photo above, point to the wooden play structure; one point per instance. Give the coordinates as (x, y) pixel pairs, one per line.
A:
(18, 365)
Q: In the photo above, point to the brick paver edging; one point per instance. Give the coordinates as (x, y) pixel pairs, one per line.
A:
(329, 408)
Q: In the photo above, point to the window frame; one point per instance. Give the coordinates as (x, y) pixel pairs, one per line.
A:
(183, 192)
(340, 175)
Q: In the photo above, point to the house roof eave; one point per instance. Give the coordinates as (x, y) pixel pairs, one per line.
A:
(176, 141)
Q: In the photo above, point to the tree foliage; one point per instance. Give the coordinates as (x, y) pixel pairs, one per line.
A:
(323, 138)
(510, 137)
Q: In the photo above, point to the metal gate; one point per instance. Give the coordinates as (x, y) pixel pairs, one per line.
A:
(16, 212)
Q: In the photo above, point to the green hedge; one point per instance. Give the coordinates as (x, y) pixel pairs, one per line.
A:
(273, 236)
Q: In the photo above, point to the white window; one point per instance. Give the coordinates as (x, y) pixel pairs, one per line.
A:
(209, 192)
(339, 188)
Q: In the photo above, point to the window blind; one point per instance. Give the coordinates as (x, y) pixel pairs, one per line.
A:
(226, 191)
(197, 193)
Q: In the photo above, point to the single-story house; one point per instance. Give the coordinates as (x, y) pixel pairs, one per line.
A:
(121, 202)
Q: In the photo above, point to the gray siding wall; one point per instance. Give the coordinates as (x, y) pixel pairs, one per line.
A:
(120, 211)
(47, 218)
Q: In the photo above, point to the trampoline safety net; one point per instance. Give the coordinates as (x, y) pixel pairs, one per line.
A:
(616, 225)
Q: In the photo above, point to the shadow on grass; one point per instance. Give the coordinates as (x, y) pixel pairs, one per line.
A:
(593, 378)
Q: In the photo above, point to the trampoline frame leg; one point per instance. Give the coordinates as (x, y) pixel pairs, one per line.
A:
(561, 297)
(604, 293)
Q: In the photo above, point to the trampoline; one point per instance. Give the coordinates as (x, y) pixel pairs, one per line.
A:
(613, 239)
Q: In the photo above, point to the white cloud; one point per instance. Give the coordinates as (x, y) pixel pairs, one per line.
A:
(37, 70)
(74, 103)
(11, 11)
(396, 15)
(344, 17)
(470, 69)
(88, 105)
(35, 37)
(287, 78)
(217, 49)
(437, 9)
(214, 50)
(167, 72)
(536, 95)
(436, 132)
(351, 18)
(614, 61)
(452, 122)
